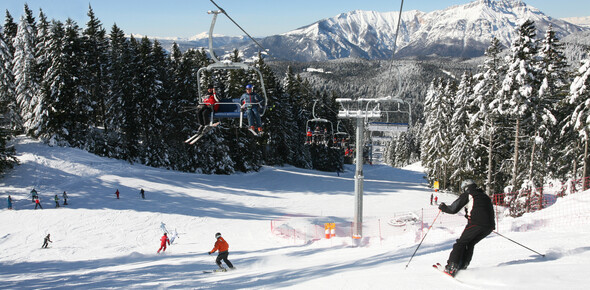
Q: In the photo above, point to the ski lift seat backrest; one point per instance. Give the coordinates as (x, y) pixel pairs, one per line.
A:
(228, 108)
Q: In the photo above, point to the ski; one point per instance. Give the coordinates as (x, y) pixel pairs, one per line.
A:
(215, 271)
(441, 269)
(253, 132)
(195, 138)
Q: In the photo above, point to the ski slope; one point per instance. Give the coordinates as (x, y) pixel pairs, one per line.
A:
(103, 242)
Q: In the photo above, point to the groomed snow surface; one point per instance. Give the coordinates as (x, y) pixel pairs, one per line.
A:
(103, 242)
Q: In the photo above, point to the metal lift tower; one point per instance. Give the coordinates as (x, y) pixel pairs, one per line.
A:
(362, 110)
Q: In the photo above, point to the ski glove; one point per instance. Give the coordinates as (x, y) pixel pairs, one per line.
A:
(442, 207)
(209, 253)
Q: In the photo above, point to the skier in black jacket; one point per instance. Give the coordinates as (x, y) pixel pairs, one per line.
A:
(480, 223)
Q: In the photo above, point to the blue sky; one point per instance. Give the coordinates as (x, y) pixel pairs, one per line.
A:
(185, 18)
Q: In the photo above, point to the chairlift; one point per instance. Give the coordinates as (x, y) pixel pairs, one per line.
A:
(341, 138)
(319, 130)
(229, 107)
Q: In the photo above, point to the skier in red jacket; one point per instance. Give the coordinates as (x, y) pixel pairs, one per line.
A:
(164, 240)
(221, 246)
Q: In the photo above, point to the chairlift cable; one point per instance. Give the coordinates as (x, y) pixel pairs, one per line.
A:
(242, 29)
(399, 21)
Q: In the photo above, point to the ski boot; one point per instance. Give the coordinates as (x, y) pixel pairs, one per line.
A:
(452, 269)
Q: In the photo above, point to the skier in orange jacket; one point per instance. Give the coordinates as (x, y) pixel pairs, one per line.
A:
(164, 239)
(223, 248)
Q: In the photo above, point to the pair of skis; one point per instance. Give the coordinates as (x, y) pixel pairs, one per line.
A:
(218, 270)
(195, 138)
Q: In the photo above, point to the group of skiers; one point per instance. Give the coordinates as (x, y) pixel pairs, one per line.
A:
(37, 201)
(250, 103)
(141, 193)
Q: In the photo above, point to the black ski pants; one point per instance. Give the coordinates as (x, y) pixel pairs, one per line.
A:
(223, 256)
(463, 249)
(204, 114)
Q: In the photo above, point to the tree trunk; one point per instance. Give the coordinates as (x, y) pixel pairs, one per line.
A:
(585, 186)
(515, 168)
(490, 163)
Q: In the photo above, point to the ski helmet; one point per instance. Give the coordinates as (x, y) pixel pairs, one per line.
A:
(217, 235)
(466, 182)
(249, 86)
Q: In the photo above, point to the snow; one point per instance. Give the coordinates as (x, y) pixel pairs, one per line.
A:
(102, 242)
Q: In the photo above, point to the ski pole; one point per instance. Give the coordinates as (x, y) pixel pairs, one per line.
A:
(542, 255)
(423, 238)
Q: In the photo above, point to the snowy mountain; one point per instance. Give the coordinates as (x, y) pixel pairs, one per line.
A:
(101, 242)
(458, 31)
(580, 21)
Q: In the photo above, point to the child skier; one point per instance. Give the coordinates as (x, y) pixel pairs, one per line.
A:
(56, 198)
(38, 203)
(223, 248)
(163, 241)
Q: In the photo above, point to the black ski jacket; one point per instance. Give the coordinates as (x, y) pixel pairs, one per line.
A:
(480, 210)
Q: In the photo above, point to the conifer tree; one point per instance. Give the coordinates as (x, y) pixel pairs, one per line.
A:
(94, 69)
(579, 94)
(9, 31)
(517, 94)
(487, 122)
(462, 159)
(24, 72)
(10, 113)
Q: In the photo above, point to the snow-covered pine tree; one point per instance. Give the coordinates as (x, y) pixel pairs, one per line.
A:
(24, 72)
(517, 100)
(579, 94)
(294, 92)
(9, 112)
(94, 70)
(462, 160)
(435, 133)
(7, 153)
(486, 122)
(9, 31)
(152, 102)
(555, 75)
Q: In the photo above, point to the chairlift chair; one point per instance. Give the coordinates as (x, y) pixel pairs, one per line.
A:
(230, 107)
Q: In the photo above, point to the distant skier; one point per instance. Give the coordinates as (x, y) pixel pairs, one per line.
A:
(436, 199)
(34, 195)
(45, 242)
(117, 193)
(223, 247)
(38, 203)
(142, 192)
(56, 199)
(431, 196)
(480, 223)
(9, 202)
(163, 240)
(65, 196)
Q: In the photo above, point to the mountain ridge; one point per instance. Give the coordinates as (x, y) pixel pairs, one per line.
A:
(459, 31)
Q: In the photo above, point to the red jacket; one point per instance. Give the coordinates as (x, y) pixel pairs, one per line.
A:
(221, 245)
(165, 239)
(212, 101)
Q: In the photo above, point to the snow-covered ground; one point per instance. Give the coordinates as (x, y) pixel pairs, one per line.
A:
(102, 242)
